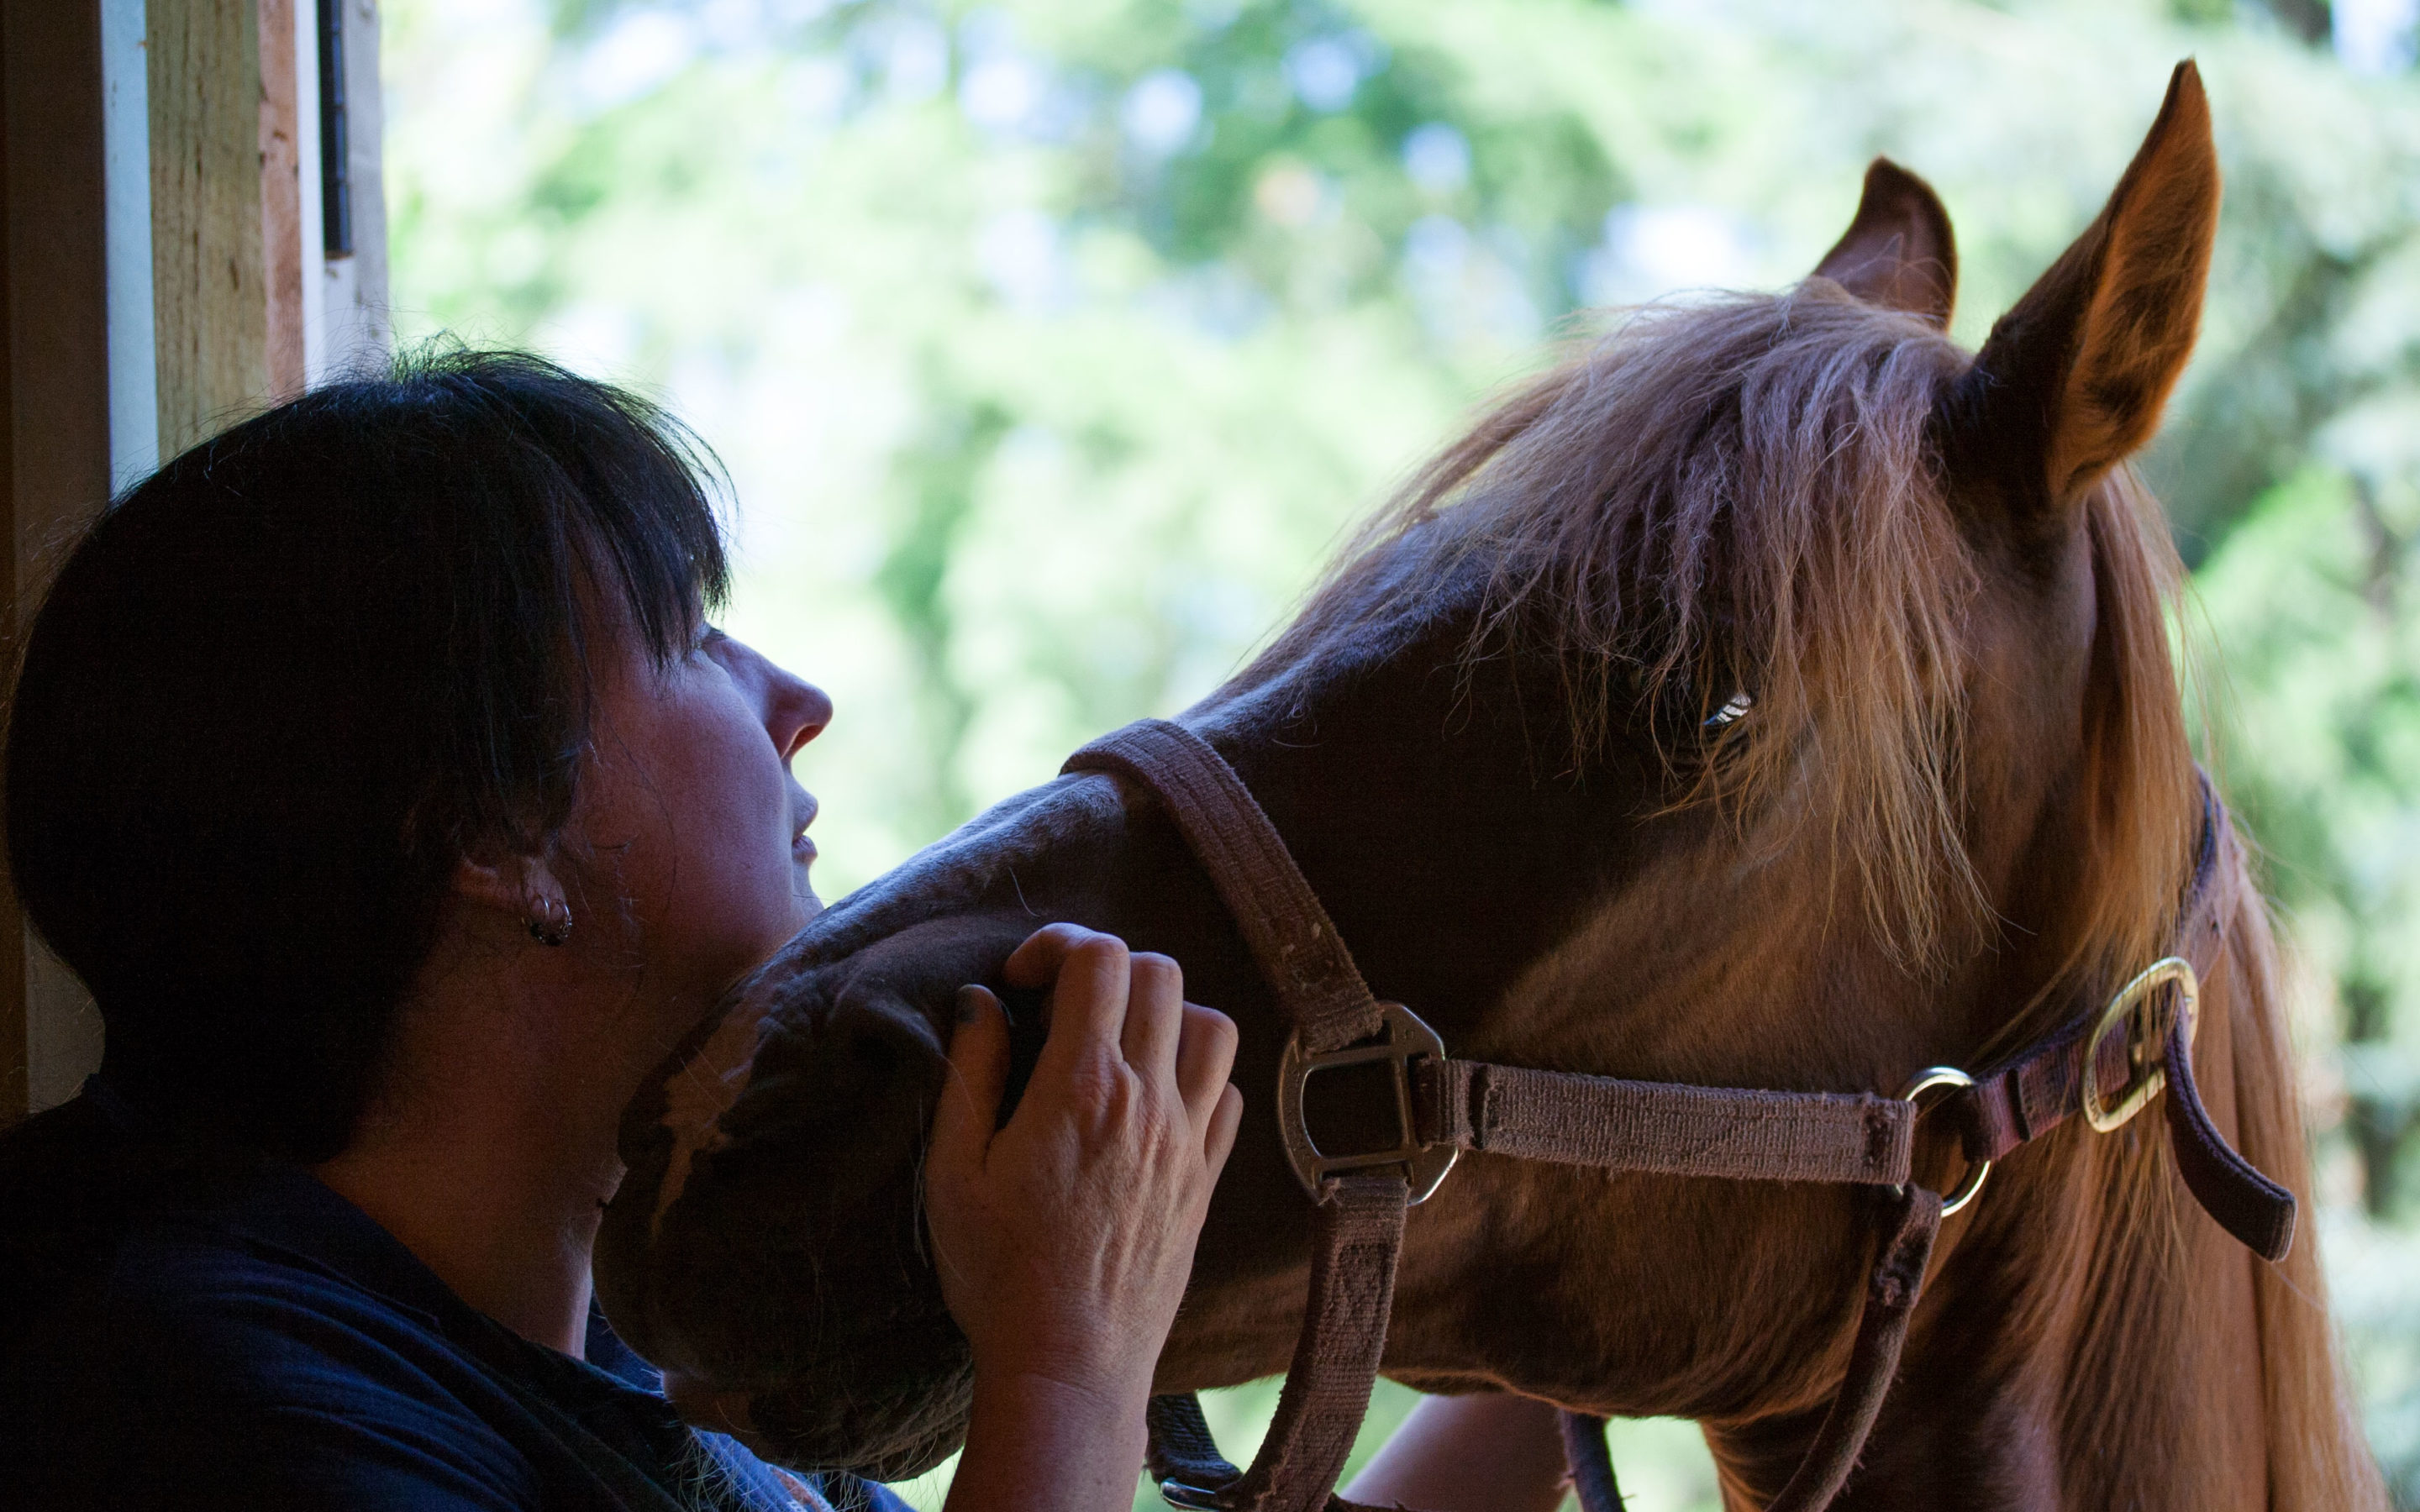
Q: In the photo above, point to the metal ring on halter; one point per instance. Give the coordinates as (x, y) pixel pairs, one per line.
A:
(2145, 1051)
(1401, 1040)
(1925, 1081)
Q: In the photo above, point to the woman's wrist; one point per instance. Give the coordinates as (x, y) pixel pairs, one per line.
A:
(1039, 1441)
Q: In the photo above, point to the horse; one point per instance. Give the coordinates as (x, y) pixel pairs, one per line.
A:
(1775, 694)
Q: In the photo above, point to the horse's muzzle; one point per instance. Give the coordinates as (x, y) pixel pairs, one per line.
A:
(768, 1248)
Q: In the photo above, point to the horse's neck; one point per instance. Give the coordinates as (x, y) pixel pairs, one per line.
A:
(2088, 1339)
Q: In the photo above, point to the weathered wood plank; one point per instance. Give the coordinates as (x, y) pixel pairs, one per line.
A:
(210, 297)
(281, 199)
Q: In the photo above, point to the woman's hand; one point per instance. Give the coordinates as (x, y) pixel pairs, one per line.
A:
(1063, 1240)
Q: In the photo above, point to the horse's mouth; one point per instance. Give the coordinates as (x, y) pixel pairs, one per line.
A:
(766, 1250)
(894, 1431)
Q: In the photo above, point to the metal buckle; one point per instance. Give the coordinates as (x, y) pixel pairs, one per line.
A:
(2144, 1050)
(1925, 1081)
(1402, 1040)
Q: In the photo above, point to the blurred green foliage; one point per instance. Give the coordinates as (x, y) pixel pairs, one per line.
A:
(2317, 718)
(1051, 344)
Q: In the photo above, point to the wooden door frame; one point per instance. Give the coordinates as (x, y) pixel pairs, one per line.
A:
(243, 300)
(55, 377)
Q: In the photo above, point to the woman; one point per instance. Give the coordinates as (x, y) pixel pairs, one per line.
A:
(377, 767)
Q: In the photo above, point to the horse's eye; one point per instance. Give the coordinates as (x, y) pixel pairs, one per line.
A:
(1735, 707)
(1684, 723)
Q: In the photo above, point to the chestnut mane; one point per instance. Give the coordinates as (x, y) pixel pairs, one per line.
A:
(1743, 495)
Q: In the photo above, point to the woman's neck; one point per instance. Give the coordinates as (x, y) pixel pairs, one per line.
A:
(505, 1221)
(491, 1153)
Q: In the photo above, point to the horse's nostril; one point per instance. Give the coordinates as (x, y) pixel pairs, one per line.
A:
(787, 1283)
(787, 1276)
(836, 1070)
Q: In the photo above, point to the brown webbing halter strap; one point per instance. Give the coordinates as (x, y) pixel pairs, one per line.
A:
(1602, 1121)
(2038, 1088)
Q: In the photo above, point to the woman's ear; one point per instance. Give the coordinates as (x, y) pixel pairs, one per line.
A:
(519, 889)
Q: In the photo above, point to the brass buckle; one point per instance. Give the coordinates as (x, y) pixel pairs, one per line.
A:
(1972, 1182)
(2149, 1075)
(1401, 1040)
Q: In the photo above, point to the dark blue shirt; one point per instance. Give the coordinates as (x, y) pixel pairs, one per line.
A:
(249, 1338)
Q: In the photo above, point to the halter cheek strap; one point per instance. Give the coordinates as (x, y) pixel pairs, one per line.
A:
(2106, 1065)
(1446, 1106)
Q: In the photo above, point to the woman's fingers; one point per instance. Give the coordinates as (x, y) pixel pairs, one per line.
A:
(1155, 1016)
(1087, 972)
(1103, 996)
(1226, 1117)
(1035, 962)
(962, 1125)
(1206, 1055)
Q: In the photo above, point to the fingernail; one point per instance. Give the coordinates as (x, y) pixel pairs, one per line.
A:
(970, 1002)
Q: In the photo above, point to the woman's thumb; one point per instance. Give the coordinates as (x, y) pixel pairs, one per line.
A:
(962, 1126)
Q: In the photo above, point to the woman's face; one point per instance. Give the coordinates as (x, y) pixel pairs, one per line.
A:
(691, 827)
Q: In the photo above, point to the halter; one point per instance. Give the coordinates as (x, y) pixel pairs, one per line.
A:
(2106, 1063)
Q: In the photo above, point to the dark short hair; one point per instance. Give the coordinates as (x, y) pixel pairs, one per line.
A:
(288, 682)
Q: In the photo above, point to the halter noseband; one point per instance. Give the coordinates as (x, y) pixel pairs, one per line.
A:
(1444, 1106)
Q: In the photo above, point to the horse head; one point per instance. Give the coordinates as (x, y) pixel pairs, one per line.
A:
(1773, 695)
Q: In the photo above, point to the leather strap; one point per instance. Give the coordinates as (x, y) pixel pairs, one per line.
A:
(1663, 1127)
(1356, 1233)
(1891, 1292)
(2041, 1086)
(2256, 1209)
(1357, 1224)
(2025, 1098)
(1290, 935)
(1589, 1461)
(1181, 1449)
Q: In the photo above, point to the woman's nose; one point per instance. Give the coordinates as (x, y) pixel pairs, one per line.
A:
(796, 713)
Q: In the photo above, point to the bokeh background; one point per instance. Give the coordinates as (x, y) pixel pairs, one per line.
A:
(1050, 344)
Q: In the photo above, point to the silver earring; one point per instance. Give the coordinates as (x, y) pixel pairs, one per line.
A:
(550, 920)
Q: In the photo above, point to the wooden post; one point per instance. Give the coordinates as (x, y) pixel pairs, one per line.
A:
(210, 285)
(54, 374)
(281, 198)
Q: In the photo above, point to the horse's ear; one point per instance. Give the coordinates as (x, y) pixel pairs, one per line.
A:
(1899, 252)
(2072, 378)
